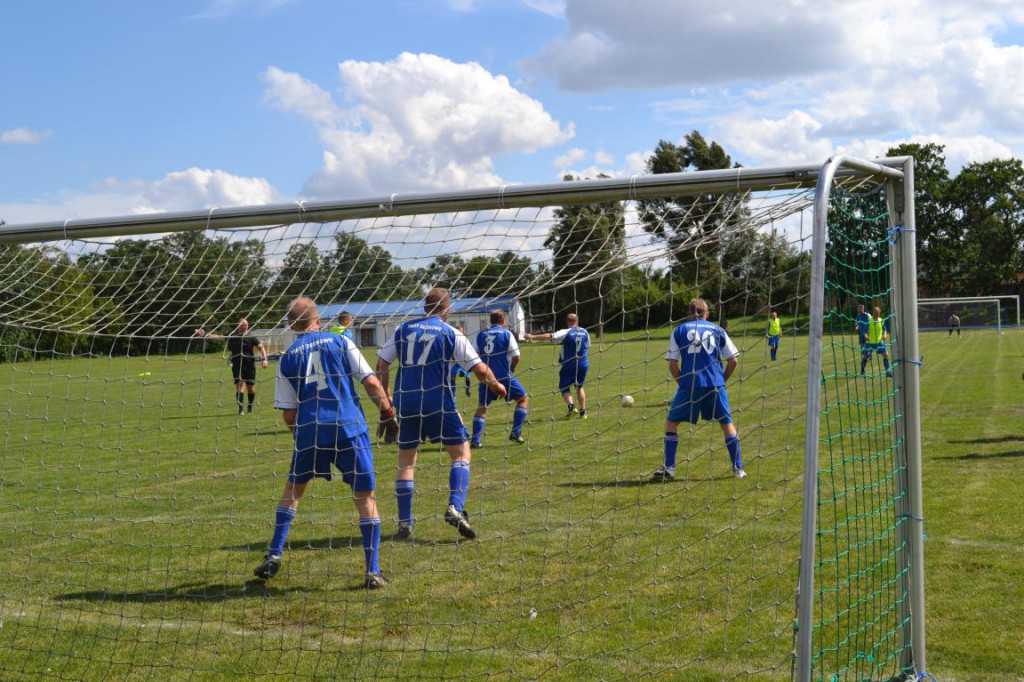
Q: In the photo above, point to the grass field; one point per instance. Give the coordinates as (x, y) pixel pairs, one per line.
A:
(136, 504)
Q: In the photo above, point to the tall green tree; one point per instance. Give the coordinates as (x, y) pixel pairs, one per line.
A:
(588, 246)
(480, 276)
(696, 228)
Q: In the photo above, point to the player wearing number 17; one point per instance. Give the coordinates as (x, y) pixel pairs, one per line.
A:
(316, 389)
(425, 350)
(695, 355)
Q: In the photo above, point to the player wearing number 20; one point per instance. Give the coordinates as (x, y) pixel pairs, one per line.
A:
(695, 355)
(425, 350)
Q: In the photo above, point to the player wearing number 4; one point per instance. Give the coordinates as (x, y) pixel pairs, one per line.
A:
(573, 357)
(316, 388)
(499, 351)
(425, 350)
(695, 355)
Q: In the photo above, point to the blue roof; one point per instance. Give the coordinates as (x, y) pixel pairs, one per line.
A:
(402, 309)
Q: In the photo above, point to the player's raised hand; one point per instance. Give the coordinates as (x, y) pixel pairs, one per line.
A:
(199, 332)
(387, 429)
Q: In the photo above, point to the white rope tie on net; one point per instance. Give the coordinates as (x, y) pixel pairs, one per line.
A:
(632, 189)
(390, 205)
(209, 217)
(501, 197)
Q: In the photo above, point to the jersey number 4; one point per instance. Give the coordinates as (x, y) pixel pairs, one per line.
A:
(700, 340)
(427, 341)
(315, 371)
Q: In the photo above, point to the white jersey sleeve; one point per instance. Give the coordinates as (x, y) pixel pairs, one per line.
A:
(465, 354)
(730, 350)
(360, 367)
(673, 352)
(285, 397)
(513, 346)
(388, 352)
(559, 335)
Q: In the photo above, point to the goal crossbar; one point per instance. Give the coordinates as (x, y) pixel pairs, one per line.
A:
(494, 198)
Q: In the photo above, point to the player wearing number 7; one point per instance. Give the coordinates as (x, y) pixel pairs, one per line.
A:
(425, 350)
(695, 355)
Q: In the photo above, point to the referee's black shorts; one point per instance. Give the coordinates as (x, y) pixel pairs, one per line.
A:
(244, 370)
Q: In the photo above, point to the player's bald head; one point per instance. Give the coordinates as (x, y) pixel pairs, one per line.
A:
(302, 313)
(437, 301)
(572, 320)
(698, 307)
(243, 325)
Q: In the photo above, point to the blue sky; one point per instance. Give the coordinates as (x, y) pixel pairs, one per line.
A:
(119, 106)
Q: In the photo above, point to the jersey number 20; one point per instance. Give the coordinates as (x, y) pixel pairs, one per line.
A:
(700, 340)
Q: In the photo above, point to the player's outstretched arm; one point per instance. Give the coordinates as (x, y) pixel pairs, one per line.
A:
(383, 374)
(546, 336)
(484, 374)
(207, 335)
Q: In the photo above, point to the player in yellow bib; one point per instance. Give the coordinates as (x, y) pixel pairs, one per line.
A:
(877, 336)
(774, 333)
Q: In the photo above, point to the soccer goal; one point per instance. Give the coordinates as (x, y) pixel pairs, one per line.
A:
(138, 483)
(968, 312)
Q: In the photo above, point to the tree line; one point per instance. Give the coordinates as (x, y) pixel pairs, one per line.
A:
(147, 295)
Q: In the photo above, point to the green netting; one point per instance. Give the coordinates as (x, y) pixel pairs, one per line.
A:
(860, 584)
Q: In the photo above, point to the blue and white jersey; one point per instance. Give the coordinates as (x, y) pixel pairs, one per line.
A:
(425, 350)
(575, 344)
(317, 376)
(700, 347)
(497, 346)
(863, 320)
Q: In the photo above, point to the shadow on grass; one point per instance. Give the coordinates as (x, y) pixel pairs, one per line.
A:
(640, 482)
(188, 592)
(994, 439)
(341, 542)
(976, 456)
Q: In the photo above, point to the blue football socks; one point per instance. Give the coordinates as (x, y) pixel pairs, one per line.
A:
(282, 524)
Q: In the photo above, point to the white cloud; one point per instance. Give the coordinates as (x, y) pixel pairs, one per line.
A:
(782, 81)
(604, 158)
(192, 189)
(571, 157)
(418, 122)
(25, 136)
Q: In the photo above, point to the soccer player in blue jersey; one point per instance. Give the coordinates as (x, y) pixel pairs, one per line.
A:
(876, 341)
(499, 350)
(458, 372)
(862, 325)
(425, 350)
(316, 389)
(695, 354)
(574, 359)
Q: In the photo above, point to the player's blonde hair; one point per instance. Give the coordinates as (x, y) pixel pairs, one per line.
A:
(698, 307)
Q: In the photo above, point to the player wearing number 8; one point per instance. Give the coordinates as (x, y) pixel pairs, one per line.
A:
(425, 350)
(695, 355)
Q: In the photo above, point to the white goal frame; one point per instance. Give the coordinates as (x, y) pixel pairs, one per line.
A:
(898, 175)
(997, 299)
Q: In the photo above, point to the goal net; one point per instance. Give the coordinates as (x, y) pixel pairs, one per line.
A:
(138, 491)
(974, 312)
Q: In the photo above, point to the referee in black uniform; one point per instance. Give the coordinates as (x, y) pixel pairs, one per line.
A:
(243, 350)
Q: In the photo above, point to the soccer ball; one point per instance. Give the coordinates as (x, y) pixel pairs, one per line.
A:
(627, 401)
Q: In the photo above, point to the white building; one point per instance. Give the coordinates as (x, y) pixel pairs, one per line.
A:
(375, 321)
